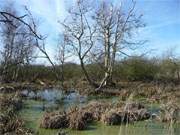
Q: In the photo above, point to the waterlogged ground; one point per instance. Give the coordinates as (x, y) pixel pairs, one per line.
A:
(54, 99)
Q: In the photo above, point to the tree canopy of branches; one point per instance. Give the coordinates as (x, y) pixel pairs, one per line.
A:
(18, 46)
(80, 34)
(101, 31)
(95, 32)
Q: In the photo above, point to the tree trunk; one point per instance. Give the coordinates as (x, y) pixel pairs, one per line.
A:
(87, 75)
(62, 75)
(4, 73)
(107, 80)
(107, 59)
(112, 63)
(178, 75)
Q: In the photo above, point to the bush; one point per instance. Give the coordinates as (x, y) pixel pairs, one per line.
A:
(136, 69)
(131, 69)
(169, 69)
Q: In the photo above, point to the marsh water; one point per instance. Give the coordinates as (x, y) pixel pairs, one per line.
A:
(36, 103)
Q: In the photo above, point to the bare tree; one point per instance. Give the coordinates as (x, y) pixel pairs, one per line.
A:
(81, 33)
(40, 44)
(31, 35)
(108, 31)
(105, 26)
(6, 18)
(116, 28)
(18, 48)
(28, 21)
(63, 55)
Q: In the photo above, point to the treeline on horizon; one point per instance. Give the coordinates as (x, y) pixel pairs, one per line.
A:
(128, 69)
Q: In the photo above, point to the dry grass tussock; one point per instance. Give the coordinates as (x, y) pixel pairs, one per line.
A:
(10, 123)
(78, 118)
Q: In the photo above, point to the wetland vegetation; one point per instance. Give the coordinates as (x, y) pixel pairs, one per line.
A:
(94, 84)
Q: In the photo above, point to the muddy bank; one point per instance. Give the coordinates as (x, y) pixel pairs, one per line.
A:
(152, 90)
(14, 87)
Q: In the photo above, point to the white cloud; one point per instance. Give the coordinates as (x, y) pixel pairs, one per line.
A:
(50, 11)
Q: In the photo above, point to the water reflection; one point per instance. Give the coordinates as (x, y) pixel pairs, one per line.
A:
(53, 95)
(53, 99)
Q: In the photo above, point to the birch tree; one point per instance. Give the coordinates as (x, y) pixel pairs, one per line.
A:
(107, 31)
(116, 27)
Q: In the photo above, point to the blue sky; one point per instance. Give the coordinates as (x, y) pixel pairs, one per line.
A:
(163, 24)
(162, 18)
